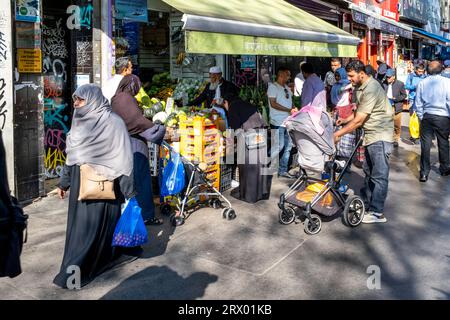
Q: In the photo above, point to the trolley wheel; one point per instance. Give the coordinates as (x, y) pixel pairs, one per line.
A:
(228, 213)
(176, 220)
(165, 209)
(287, 215)
(313, 225)
(354, 211)
(215, 203)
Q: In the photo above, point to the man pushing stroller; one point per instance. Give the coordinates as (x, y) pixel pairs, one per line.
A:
(375, 115)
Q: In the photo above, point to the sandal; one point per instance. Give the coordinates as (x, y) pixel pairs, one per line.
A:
(154, 221)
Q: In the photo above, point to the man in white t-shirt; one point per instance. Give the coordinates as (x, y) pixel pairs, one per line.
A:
(280, 102)
(299, 80)
(123, 67)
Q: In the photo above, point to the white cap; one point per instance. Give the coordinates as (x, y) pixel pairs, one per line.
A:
(215, 70)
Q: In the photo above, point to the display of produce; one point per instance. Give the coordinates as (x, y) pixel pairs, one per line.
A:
(258, 97)
(162, 86)
(189, 88)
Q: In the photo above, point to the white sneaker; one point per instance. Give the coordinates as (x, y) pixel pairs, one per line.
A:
(374, 217)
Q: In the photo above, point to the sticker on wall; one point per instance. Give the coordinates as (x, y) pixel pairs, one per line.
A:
(29, 60)
(27, 10)
(82, 79)
(28, 35)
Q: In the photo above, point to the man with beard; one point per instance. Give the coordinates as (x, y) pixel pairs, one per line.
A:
(215, 90)
(376, 116)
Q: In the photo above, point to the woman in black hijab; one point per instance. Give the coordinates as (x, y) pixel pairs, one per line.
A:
(141, 130)
(248, 126)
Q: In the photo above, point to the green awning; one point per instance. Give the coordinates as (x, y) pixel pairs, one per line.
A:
(261, 27)
(219, 43)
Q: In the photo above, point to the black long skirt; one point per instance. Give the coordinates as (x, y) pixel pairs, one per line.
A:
(90, 229)
(254, 180)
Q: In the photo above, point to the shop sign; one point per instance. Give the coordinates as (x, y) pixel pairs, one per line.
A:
(29, 60)
(133, 10)
(27, 10)
(413, 10)
(248, 62)
(433, 17)
(220, 43)
(374, 23)
(385, 8)
(28, 35)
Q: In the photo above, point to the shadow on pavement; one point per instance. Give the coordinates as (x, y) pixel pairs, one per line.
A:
(162, 283)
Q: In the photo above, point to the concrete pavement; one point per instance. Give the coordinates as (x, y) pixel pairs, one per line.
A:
(255, 257)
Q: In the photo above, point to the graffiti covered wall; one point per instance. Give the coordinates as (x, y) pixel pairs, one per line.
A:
(67, 50)
(6, 89)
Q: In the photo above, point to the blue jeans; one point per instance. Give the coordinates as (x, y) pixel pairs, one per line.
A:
(284, 148)
(143, 184)
(376, 169)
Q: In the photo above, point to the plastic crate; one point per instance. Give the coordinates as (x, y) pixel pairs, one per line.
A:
(226, 176)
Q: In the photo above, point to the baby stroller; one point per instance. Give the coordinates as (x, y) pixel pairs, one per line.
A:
(325, 197)
(198, 185)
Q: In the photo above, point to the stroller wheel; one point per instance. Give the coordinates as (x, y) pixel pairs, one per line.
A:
(215, 203)
(354, 210)
(313, 225)
(229, 214)
(165, 209)
(176, 220)
(287, 216)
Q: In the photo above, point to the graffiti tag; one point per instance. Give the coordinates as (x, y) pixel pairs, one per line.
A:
(55, 138)
(54, 114)
(54, 162)
(2, 104)
(83, 55)
(3, 47)
(79, 17)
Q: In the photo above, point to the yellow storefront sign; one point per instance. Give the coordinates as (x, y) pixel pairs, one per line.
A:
(29, 60)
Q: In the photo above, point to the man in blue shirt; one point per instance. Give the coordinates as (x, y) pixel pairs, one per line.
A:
(412, 81)
(312, 85)
(446, 72)
(433, 110)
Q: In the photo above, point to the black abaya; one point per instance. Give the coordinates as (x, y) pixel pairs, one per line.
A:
(90, 229)
(254, 182)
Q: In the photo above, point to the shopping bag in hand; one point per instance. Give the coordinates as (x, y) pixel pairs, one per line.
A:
(414, 126)
(130, 230)
(173, 179)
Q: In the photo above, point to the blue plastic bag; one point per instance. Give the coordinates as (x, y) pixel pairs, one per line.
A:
(173, 180)
(130, 230)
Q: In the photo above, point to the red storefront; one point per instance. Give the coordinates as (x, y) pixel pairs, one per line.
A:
(375, 22)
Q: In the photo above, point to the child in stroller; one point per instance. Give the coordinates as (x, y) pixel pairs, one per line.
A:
(318, 188)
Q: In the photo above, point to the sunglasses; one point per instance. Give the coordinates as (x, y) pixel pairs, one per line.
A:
(287, 93)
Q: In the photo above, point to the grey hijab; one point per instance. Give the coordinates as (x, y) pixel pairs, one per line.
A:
(98, 136)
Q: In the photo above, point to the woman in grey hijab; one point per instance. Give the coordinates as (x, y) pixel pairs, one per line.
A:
(98, 137)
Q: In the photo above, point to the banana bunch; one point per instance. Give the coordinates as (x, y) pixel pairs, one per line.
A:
(165, 93)
(180, 58)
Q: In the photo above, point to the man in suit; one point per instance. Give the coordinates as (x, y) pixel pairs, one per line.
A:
(395, 90)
